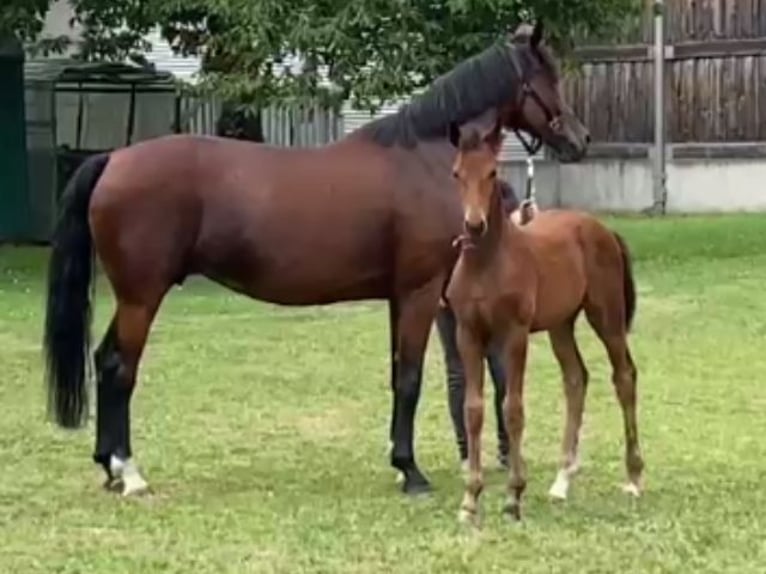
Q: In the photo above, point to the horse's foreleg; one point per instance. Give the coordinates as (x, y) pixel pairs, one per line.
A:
(575, 383)
(116, 362)
(472, 357)
(513, 407)
(415, 314)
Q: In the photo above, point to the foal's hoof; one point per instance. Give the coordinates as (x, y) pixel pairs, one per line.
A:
(560, 488)
(632, 489)
(469, 518)
(513, 511)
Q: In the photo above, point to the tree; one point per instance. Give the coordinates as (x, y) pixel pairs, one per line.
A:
(22, 20)
(368, 50)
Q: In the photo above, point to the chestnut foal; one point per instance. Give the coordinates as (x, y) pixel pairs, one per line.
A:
(512, 280)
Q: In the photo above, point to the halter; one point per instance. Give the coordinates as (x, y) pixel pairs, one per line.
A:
(528, 91)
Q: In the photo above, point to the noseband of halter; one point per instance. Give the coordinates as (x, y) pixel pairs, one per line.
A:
(534, 144)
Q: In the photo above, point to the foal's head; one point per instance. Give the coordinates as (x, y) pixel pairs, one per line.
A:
(475, 170)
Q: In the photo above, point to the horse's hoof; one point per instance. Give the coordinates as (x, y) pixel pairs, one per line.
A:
(112, 485)
(134, 486)
(632, 489)
(416, 487)
(414, 482)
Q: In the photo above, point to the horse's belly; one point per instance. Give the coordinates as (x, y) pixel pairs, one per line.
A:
(560, 290)
(303, 274)
(322, 279)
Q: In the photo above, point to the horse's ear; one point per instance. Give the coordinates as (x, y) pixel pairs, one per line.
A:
(454, 134)
(537, 34)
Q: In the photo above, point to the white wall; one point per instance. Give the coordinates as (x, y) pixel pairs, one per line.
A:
(612, 185)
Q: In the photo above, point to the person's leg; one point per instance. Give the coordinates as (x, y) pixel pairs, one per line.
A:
(497, 372)
(446, 326)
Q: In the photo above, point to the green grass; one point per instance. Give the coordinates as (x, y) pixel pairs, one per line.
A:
(263, 432)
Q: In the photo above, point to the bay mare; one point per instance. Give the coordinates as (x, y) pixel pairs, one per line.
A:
(513, 280)
(371, 216)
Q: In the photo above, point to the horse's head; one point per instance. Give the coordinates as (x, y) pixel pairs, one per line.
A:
(540, 109)
(475, 170)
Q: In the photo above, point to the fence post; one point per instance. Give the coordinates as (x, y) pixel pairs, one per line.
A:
(660, 176)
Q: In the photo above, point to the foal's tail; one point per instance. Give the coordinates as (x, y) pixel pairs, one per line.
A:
(68, 308)
(628, 284)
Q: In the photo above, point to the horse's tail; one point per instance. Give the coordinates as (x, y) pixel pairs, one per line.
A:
(628, 284)
(68, 308)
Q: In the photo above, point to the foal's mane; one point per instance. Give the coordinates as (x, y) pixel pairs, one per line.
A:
(488, 79)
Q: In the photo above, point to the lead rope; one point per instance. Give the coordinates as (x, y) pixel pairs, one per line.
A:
(528, 207)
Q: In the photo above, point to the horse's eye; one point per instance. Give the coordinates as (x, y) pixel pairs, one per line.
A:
(493, 174)
(454, 174)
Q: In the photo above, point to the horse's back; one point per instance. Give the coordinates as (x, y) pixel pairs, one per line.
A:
(577, 255)
(562, 242)
(286, 225)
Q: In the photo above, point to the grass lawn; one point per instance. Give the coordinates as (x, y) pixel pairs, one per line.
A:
(263, 432)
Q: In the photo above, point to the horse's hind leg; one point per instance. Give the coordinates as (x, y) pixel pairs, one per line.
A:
(116, 362)
(575, 382)
(613, 334)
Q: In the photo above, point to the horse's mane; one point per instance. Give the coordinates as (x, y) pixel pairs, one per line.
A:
(486, 80)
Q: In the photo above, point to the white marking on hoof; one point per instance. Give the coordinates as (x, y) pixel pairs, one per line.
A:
(632, 489)
(468, 518)
(560, 488)
(126, 472)
(400, 477)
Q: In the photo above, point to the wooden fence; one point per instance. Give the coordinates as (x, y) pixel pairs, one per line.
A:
(715, 77)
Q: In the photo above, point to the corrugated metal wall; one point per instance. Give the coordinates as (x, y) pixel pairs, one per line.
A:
(282, 126)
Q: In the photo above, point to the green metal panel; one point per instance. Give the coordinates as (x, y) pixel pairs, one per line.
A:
(14, 208)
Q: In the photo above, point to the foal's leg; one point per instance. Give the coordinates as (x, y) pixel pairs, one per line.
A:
(516, 348)
(116, 361)
(472, 356)
(415, 314)
(624, 377)
(575, 381)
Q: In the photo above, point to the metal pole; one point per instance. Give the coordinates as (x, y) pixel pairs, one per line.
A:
(660, 190)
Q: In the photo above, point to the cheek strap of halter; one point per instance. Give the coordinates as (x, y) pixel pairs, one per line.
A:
(533, 144)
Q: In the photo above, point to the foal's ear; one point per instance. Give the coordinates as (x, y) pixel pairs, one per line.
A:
(454, 134)
(485, 123)
(537, 34)
(494, 138)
